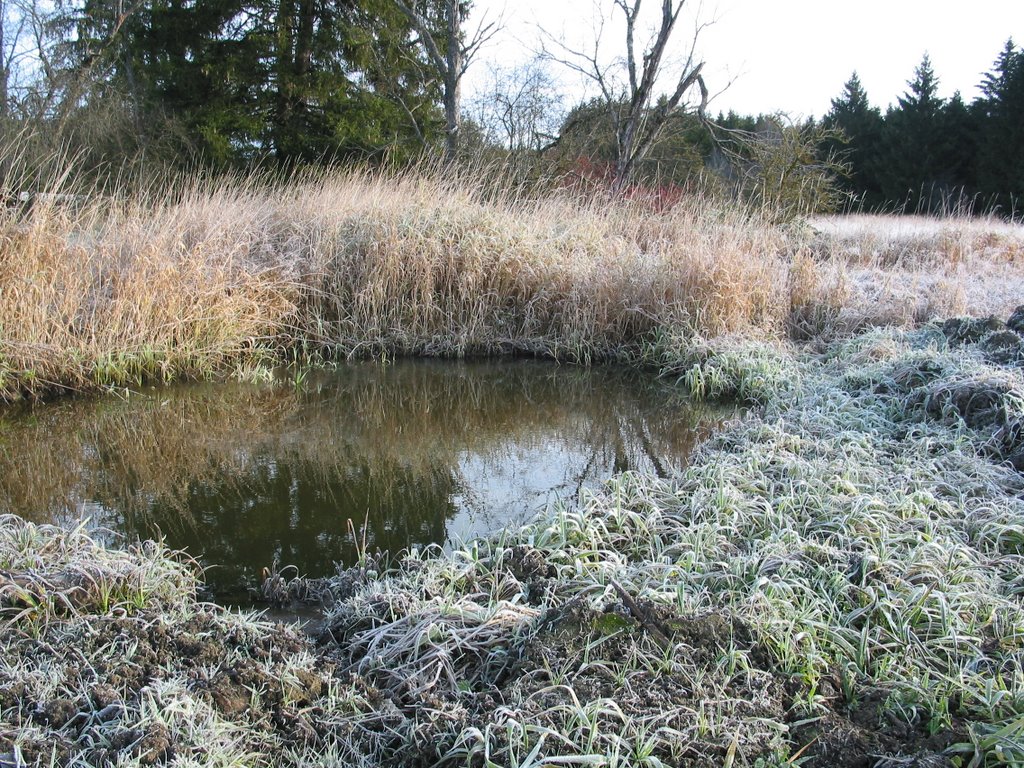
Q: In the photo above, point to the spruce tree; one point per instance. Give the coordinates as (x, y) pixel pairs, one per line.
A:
(915, 176)
(1000, 112)
(959, 127)
(243, 80)
(861, 125)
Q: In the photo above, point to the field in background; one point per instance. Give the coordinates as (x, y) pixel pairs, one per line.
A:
(905, 270)
(219, 278)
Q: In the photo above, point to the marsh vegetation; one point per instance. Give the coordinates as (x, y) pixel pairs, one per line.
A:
(229, 277)
(834, 579)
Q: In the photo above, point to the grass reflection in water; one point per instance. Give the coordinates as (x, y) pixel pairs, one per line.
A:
(417, 451)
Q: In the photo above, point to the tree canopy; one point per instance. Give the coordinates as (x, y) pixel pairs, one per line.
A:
(929, 153)
(287, 83)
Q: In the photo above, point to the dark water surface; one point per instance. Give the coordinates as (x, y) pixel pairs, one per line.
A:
(413, 453)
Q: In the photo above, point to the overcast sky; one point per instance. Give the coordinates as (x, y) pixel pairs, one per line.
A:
(782, 55)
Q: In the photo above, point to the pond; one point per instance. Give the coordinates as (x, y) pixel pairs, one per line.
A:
(411, 453)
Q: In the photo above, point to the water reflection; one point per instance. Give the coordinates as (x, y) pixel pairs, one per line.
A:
(416, 452)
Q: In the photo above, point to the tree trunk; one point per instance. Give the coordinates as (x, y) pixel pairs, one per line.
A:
(452, 82)
(283, 71)
(304, 39)
(449, 64)
(4, 75)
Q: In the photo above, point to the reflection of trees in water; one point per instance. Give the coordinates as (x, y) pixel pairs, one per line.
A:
(446, 408)
(243, 473)
(286, 512)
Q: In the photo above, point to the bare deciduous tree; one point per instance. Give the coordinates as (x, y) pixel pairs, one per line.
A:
(629, 88)
(520, 107)
(45, 69)
(20, 20)
(450, 56)
(4, 68)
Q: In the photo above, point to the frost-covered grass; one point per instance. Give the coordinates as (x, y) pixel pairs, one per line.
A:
(908, 269)
(836, 579)
(106, 657)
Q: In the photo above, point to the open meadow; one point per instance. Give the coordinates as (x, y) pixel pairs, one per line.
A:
(836, 578)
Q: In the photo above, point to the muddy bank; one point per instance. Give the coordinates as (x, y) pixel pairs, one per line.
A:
(835, 580)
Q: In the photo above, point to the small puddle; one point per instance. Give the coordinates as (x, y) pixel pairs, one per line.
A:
(414, 453)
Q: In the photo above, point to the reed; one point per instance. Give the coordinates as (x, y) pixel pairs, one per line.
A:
(216, 277)
(212, 277)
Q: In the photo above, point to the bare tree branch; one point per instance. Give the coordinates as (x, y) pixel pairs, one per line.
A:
(637, 120)
(452, 64)
(485, 31)
(631, 15)
(519, 108)
(426, 39)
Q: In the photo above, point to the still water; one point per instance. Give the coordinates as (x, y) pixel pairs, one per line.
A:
(413, 453)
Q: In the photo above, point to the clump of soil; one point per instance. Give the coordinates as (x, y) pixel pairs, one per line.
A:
(1001, 343)
(911, 375)
(857, 737)
(1016, 321)
(989, 400)
(981, 402)
(528, 564)
(970, 330)
(149, 746)
(1004, 347)
(1007, 443)
(992, 406)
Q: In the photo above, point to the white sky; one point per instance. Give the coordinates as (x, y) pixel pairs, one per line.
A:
(782, 55)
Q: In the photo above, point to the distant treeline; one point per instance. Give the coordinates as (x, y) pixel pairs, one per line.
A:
(280, 84)
(929, 153)
(924, 154)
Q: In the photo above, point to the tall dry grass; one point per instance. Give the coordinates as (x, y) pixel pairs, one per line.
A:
(186, 279)
(414, 265)
(213, 276)
(108, 291)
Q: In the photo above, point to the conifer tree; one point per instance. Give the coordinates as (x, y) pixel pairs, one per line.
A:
(959, 127)
(861, 125)
(293, 80)
(914, 175)
(1000, 113)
